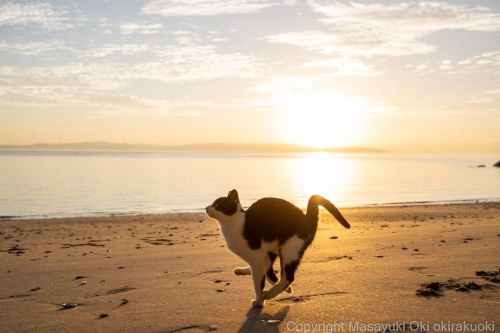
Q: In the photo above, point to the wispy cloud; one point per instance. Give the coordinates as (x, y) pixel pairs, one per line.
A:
(71, 83)
(105, 105)
(485, 62)
(140, 27)
(105, 50)
(386, 29)
(42, 14)
(129, 105)
(34, 48)
(209, 7)
(342, 66)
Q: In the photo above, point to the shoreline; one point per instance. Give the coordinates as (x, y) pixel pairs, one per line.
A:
(196, 211)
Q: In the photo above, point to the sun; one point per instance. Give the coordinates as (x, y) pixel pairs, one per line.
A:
(322, 119)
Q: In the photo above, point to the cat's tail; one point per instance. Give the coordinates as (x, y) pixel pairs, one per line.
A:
(313, 210)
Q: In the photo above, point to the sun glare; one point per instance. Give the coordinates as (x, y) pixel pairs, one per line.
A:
(323, 173)
(323, 120)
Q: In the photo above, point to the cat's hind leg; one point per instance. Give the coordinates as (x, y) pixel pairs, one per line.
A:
(271, 274)
(284, 282)
(290, 254)
(242, 270)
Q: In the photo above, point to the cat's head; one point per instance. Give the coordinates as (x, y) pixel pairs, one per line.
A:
(225, 207)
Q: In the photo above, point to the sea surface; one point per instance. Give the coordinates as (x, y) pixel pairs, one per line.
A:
(60, 184)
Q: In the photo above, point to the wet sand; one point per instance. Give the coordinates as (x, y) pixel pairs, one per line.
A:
(173, 273)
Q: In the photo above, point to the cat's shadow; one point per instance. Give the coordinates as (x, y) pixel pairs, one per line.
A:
(263, 322)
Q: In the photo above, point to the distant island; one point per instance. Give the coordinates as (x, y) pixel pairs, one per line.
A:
(197, 147)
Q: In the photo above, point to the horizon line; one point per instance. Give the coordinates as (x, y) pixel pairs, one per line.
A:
(206, 146)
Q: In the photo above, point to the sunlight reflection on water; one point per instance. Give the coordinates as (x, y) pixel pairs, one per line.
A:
(322, 173)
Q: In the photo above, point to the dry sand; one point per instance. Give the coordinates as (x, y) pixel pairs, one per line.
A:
(173, 273)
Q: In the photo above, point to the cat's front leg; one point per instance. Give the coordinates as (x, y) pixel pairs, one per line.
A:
(258, 277)
(242, 271)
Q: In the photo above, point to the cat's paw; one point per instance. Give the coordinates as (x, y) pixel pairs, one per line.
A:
(289, 290)
(242, 271)
(257, 303)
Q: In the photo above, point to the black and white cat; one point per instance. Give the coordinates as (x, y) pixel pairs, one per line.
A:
(268, 229)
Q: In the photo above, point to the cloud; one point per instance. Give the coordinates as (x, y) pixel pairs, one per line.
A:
(129, 105)
(71, 83)
(106, 50)
(52, 46)
(386, 29)
(342, 66)
(209, 7)
(140, 28)
(104, 105)
(182, 61)
(34, 48)
(488, 62)
(39, 13)
(484, 61)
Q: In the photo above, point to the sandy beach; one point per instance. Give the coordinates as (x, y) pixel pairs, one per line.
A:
(173, 273)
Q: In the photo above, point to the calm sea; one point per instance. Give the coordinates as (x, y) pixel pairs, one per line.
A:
(53, 184)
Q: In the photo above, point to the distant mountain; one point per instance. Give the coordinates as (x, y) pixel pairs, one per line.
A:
(217, 147)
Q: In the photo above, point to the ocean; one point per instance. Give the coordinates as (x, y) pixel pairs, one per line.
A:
(62, 184)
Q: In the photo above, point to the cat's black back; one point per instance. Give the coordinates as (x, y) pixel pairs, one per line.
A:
(271, 219)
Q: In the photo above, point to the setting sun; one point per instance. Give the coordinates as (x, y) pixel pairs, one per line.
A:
(322, 120)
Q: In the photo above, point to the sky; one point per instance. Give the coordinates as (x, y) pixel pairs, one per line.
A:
(406, 76)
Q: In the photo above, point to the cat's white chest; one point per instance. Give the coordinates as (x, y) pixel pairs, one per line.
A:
(233, 234)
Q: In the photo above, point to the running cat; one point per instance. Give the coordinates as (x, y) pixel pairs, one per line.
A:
(268, 229)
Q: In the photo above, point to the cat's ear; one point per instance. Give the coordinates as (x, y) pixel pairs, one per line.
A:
(233, 195)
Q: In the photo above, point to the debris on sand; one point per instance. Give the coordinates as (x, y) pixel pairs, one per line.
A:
(433, 289)
(67, 245)
(119, 290)
(158, 241)
(15, 249)
(492, 276)
(271, 321)
(340, 257)
(66, 306)
(103, 315)
(436, 289)
(122, 303)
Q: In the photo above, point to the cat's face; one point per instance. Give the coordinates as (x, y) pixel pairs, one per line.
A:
(224, 207)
